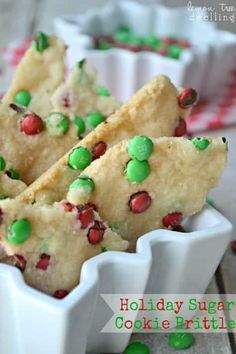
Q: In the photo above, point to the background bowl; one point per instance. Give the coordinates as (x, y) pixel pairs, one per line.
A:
(206, 66)
(166, 262)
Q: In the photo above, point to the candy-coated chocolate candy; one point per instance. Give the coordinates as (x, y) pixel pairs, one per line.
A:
(122, 36)
(96, 232)
(31, 124)
(187, 98)
(60, 294)
(184, 43)
(168, 40)
(13, 174)
(174, 51)
(23, 98)
(19, 231)
(233, 246)
(2, 163)
(19, 261)
(181, 129)
(103, 249)
(99, 149)
(103, 91)
(95, 118)
(201, 143)
(137, 171)
(57, 124)
(43, 262)
(139, 202)
(103, 44)
(162, 51)
(180, 340)
(86, 216)
(83, 182)
(140, 147)
(68, 207)
(210, 202)
(152, 41)
(1, 216)
(79, 122)
(41, 42)
(172, 220)
(137, 348)
(80, 158)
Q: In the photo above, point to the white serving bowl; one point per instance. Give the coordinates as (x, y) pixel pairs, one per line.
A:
(165, 262)
(206, 66)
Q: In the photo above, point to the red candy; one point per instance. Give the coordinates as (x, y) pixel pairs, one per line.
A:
(31, 124)
(184, 43)
(60, 294)
(19, 262)
(1, 216)
(68, 207)
(181, 129)
(96, 232)
(187, 98)
(86, 216)
(172, 220)
(43, 263)
(99, 149)
(162, 51)
(233, 246)
(139, 202)
(168, 40)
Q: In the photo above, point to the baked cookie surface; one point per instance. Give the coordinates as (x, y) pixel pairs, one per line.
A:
(37, 76)
(145, 184)
(157, 109)
(50, 243)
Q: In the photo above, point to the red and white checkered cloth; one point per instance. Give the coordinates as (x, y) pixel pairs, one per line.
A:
(219, 112)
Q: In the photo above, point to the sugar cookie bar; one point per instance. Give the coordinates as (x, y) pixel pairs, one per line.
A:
(50, 243)
(145, 184)
(38, 75)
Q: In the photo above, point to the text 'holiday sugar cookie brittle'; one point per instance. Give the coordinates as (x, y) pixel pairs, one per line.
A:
(37, 76)
(157, 109)
(145, 184)
(50, 243)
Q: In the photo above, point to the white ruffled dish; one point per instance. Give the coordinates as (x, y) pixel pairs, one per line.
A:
(206, 66)
(166, 262)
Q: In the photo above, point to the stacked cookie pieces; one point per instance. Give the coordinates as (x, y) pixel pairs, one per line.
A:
(106, 191)
(38, 131)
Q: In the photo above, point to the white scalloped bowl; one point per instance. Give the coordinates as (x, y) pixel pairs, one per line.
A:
(165, 262)
(206, 66)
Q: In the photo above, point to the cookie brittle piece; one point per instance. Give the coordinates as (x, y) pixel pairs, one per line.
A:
(80, 96)
(145, 184)
(10, 183)
(157, 109)
(50, 243)
(38, 75)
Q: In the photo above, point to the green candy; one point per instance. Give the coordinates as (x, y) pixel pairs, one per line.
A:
(84, 183)
(137, 171)
(152, 41)
(19, 231)
(140, 147)
(124, 29)
(57, 124)
(174, 51)
(41, 42)
(103, 91)
(137, 348)
(95, 118)
(201, 143)
(2, 163)
(122, 37)
(180, 340)
(80, 158)
(13, 174)
(103, 44)
(79, 122)
(23, 98)
(210, 202)
(81, 63)
(103, 249)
